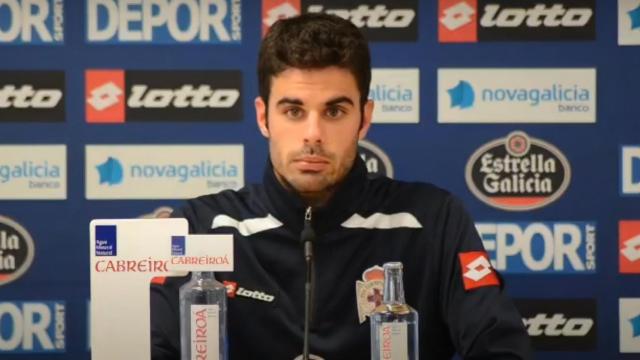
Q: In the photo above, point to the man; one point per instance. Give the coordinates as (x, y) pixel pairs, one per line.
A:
(314, 74)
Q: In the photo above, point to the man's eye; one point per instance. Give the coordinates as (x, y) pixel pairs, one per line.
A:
(334, 112)
(294, 113)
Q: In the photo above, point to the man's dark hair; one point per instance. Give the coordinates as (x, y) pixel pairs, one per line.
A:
(314, 41)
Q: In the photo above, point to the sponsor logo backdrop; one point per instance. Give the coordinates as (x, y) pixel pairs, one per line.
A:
(525, 110)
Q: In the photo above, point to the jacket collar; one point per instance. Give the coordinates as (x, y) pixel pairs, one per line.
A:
(290, 209)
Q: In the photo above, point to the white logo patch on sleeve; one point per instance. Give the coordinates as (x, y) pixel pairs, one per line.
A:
(248, 226)
(383, 221)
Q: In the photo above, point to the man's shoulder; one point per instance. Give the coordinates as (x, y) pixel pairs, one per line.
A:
(431, 205)
(409, 193)
(234, 203)
(223, 198)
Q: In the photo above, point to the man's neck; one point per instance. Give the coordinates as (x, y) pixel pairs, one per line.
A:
(314, 199)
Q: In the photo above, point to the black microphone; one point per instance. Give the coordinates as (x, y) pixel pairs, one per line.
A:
(307, 236)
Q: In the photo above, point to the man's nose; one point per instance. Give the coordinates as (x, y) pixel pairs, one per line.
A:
(313, 129)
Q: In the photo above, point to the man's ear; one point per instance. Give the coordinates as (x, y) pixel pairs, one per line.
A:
(261, 116)
(367, 115)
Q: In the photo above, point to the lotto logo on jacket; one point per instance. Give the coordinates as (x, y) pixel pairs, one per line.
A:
(234, 290)
(477, 271)
(164, 21)
(32, 327)
(540, 247)
(505, 20)
(116, 96)
(518, 173)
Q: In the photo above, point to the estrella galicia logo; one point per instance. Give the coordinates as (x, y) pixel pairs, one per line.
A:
(540, 247)
(110, 172)
(31, 95)
(462, 95)
(39, 22)
(106, 240)
(32, 327)
(377, 161)
(178, 247)
(630, 170)
(164, 21)
(16, 250)
(560, 324)
(518, 173)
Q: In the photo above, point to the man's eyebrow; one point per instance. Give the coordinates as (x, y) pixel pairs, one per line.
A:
(338, 100)
(289, 101)
(332, 102)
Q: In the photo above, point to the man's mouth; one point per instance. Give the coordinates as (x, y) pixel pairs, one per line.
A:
(311, 163)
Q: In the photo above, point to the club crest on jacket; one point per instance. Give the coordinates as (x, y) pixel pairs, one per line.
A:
(369, 291)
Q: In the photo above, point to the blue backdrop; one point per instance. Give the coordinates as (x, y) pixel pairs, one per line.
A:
(423, 151)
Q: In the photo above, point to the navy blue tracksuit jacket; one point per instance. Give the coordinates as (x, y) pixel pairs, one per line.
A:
(447, 277)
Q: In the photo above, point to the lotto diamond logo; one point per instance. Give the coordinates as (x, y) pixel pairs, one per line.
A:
(274, 10)
(477, 270)
(457, 16)
(630, 325)
(105, 96)
(232, 287)
(629, 246)
(462, 95)
(457, 21)
(631, 249)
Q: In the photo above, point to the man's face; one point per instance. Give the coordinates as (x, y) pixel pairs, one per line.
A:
(313, 128)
